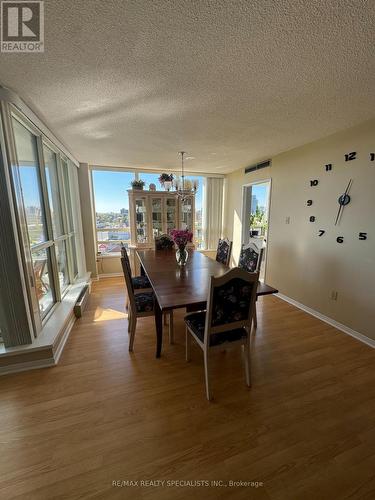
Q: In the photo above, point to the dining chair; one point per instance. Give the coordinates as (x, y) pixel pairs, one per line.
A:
(251, 260)
(228, 319)
(164, 242)
(224, 251)
(140, 305)
(139, 283)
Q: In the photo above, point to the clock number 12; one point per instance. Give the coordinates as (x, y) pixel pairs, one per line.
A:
(351, 156)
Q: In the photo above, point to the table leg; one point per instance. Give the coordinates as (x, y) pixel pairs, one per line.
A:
(159, 328)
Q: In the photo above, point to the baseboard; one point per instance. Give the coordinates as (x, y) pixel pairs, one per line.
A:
(60, 347)
(110, 275)
(330, 321)
(27, 365)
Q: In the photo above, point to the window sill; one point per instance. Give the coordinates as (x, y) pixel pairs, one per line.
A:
(55, 324)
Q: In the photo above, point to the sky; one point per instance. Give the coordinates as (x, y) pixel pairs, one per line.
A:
(261, 192)
(110, 189)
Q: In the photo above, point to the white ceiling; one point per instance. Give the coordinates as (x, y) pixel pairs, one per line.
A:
(130, 83)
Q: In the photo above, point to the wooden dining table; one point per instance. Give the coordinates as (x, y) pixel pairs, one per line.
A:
(178, 287)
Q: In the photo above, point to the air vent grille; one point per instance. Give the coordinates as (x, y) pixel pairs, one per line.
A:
(258, 166)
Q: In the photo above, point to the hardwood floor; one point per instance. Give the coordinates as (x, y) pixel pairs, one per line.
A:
(306, 428)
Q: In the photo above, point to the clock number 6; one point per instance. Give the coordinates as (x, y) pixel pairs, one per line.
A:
(362, 236)
(340, 239)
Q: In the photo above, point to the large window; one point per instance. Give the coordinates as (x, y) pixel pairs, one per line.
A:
(42, 184)
(198, 236)
(112, 209)
(33, 205)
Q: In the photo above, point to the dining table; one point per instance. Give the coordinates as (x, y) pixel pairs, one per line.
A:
(185, 286)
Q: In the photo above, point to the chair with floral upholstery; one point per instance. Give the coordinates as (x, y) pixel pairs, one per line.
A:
(228, 319)
(224, 250)
(140, 304)
(250, 260)
(140, 283)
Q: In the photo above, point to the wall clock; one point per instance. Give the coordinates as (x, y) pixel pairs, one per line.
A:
(343, 202)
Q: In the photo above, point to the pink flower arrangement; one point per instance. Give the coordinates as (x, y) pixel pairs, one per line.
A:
(181, 237)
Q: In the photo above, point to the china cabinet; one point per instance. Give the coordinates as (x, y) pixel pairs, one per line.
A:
(153, 213)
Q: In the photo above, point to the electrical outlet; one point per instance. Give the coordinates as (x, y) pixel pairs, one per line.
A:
(287, 220)
(334, 295)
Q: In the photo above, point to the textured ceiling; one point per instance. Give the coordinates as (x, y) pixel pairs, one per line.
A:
(130, 83)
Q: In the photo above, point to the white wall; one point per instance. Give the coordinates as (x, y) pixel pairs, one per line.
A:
(302, 265)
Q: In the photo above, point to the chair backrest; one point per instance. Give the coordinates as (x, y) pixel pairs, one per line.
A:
(129, 284)
(163, 242)
(250, 258)
(231, 302)
(224, 250)
(125, 256)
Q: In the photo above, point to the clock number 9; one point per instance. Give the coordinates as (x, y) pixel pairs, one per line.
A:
(315, 182)
(340, 239)
(309, 203)
(362, 236)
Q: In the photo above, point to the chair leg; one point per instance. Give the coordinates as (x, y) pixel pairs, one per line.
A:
(133, 326)
(129, 319)
(255, 319)
(247, 361)
(188, 345)
(171, 330)
(207, 375)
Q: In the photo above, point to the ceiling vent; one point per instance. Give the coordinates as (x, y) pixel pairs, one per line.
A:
(258, 166)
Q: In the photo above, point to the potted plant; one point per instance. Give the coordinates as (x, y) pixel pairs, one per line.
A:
(181, 237)
(166, 181)
(138, 184)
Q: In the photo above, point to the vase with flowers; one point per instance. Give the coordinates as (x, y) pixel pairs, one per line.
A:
(181, 237)
(166, 181)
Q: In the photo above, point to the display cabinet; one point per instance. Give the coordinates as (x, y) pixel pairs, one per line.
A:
(153, 213)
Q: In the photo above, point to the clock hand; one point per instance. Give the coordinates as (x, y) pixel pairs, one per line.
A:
(341, 208)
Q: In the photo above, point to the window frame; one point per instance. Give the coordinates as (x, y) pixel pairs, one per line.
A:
(51, 242)
(96, 230)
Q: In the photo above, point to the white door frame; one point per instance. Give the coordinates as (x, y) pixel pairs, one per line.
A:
(243, 213)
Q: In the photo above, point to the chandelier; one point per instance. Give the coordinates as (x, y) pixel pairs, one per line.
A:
(183, 187)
